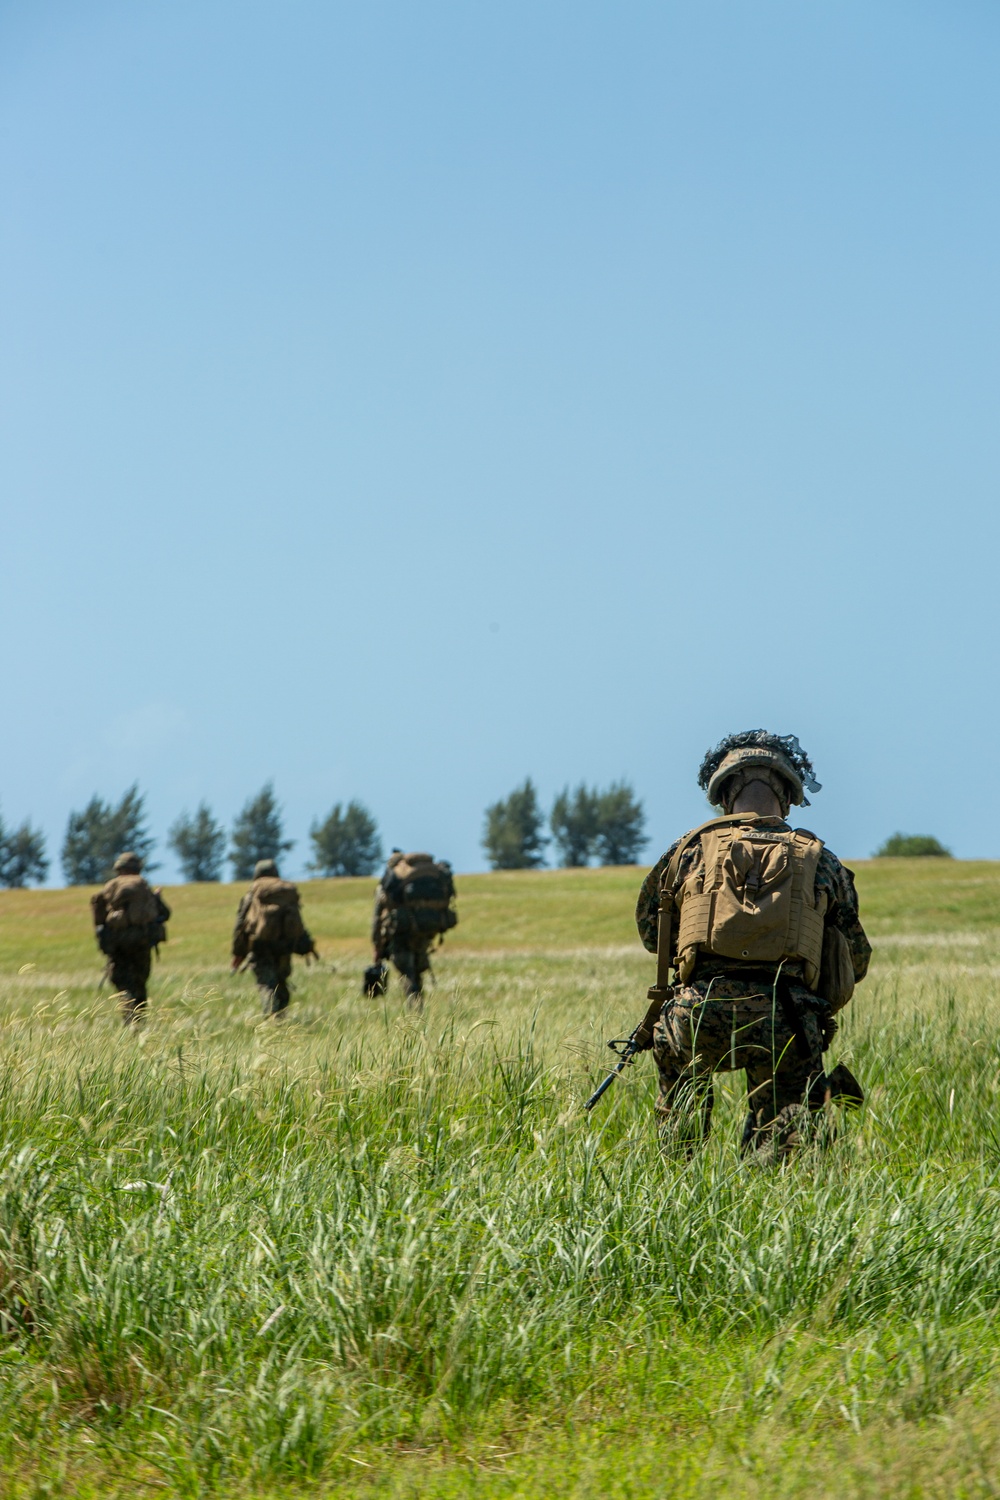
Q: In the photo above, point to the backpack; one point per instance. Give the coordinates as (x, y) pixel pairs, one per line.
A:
(419, 891)
(135, 914)
(273, 916)
(753, 899)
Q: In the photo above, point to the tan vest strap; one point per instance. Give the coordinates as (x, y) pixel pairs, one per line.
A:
(663, 945)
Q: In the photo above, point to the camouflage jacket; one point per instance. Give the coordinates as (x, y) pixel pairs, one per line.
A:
(384, 937)
(831, 876)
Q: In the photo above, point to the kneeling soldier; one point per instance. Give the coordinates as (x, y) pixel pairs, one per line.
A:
(269, 929)
(129, 921)
(759, 925)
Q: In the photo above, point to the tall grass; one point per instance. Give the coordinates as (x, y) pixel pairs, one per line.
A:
(234, 1252)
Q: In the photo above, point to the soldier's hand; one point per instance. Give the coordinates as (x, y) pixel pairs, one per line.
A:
(235, 962)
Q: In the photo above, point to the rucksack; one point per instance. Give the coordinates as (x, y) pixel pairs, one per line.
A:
(134, 916)
(273, 916)
(420, 891)
(753, 899)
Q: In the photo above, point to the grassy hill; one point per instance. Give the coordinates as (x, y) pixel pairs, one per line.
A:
(519, 911)
(367, 1252)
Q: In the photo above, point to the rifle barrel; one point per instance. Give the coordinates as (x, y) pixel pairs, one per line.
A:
(602, 1088)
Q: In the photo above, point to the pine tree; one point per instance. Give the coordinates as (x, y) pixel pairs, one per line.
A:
(199, 843)
(22, 856)
(574, 824)
(512, 833)
(346, 843)
(257, 834)
(97, 835)
(621, 823)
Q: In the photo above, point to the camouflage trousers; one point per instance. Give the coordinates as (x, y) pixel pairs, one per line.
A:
(724, 1025)
(413, 963)
(128, 972)
(271, 970)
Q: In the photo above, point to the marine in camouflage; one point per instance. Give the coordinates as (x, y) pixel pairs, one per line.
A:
(127, 968)
(411, 959)
(731, 1015)
(270, 963)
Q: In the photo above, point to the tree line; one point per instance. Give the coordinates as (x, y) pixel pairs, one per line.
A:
(585, 824)
(345, 842)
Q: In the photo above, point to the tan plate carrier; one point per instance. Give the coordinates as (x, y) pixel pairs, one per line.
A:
(753, 899)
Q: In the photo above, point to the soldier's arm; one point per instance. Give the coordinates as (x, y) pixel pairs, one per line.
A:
(240, 945)
(842, 910)
(99, 908)
(164, 908)
(378, 926)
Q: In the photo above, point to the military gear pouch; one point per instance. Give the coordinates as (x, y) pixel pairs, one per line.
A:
(375, 981)
(836, 970)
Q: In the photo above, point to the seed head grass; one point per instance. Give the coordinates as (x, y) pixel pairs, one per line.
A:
(364, 1251)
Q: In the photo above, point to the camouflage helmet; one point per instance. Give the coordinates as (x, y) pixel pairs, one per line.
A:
(265, 867)
(756, 755)
(127, 863)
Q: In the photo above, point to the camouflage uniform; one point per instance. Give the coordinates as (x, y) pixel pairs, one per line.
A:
(411, 958)
(128, 964)
(733, 1016)
(271, 964)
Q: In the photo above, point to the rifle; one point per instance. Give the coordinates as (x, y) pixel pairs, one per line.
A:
(640, 1040)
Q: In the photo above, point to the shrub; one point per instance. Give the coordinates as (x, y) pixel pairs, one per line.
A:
(512, 834)
(98, 834)
(347, 843)
(257, 834)
(910, 845)
(199, 843)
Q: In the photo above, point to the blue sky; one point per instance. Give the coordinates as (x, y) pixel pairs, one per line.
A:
(401, 399)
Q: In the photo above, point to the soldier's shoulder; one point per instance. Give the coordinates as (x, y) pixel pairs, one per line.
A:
(827, 859)
(833, 873)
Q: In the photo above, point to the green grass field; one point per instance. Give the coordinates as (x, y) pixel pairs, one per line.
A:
(363, 1252)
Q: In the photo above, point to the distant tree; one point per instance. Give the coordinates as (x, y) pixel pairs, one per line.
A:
(909, 845)
(199, 843)
(621, 823)
(22, 855)
(98, 834)
(512, 834)
(257, 834)
(346, 843)
(574, 824)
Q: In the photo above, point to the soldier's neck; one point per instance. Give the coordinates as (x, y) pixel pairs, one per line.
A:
(757, 797)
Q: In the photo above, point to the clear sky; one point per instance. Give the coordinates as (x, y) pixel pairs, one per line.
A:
(398, 399)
